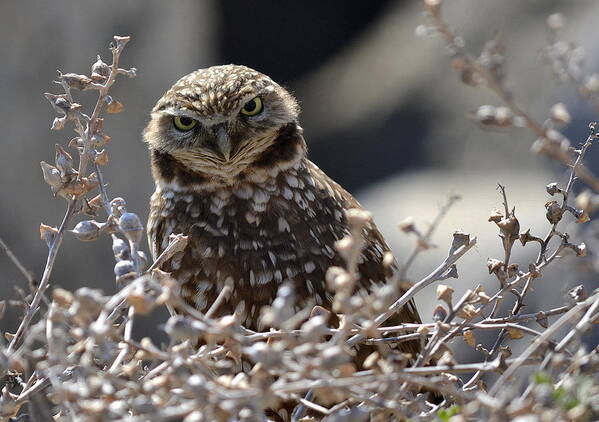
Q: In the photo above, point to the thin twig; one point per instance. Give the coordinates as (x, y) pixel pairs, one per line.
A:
(592, 301)
(434, 12)
(426, 237)
(45, 281)
(451, 259)
(26, 273)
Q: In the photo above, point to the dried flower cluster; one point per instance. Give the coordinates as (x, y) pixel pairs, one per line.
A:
(73, 356)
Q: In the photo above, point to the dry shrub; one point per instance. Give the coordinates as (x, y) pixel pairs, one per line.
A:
(73, 356)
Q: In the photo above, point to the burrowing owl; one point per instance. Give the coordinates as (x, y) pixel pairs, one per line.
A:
(229, 160)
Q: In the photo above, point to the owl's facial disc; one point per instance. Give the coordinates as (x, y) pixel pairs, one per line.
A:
(226, 137)
(225, 123)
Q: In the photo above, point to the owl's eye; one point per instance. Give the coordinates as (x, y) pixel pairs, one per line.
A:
(252, 107)
(184, 123)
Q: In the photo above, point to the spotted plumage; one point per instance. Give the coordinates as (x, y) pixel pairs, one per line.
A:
(258, 213)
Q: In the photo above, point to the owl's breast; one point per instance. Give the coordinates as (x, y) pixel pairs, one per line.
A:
(255, 237)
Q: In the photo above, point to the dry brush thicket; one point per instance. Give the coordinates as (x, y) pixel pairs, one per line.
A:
(73, 356)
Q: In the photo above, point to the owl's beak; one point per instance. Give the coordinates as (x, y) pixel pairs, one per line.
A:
(223, 142)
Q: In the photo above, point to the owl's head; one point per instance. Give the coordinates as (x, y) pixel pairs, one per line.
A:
(222, 125)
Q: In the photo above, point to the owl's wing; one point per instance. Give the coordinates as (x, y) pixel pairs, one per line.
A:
(372, 271)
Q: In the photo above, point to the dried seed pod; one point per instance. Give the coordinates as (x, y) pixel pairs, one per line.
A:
(433, 3)
(556, 21)
(99, 140)
(283, 304)
(92, 206)
(592, 83)
(423, 330)
(320, 311)
(51, 175)
(124, 268)
(581, 215)
(467, 311)
(460, 239)
(587, 201)
(180, 328)
(581, 250)
(553, 188)
(371, 360)
(88, 230)
(100, 70)
(534, 271)
(143, 260)
(388, 259)
(509, 228)
(99, 126)
(59, 102)
(315, 328)
(542, 319)
(503, 116)
(447, 358)
(407, 225)
(118, 206)
(439, 314)
(76, 187)
(384, 296)
(554, 212)
(444, 293)
(451, 272)
(467, 73)
(505, 352)
(63, 161)
(58, 123)
(337, 278)
(483, 297)
(76, 143)
(355, 413)
(142, 302)
(130, 225)
(493, 117)
(494, 265)
(120, 248)
(87, 304)
(121, 41)
(527, 237)
(62, 297)
(577, 294)
(357, 217)
(422, 31)
(496, 216)
(485, 114)
(268, 356)
(559, 114)
(469, 338)
(101, 158)
(346, 247)
(8, 404)
(114, 107)
(513, 269)
(334, 356)
(76, 81)
(47, 234)
(515, 333)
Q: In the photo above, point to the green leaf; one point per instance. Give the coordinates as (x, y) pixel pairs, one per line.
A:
(542, 378)
(445, 414)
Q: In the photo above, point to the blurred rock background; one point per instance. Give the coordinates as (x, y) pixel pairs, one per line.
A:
(383, 113)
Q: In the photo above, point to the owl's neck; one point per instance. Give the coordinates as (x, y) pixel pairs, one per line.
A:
(286, 152)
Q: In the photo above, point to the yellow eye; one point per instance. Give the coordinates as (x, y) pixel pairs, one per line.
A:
(252, 107)
(184, 123)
